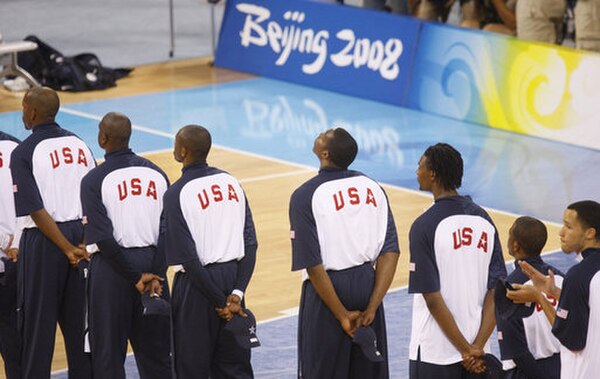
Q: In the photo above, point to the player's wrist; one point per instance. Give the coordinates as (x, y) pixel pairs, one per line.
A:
(238, 293)
(555, 292)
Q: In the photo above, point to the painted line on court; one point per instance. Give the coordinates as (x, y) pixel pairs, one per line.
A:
(283, 161)
(172, 137)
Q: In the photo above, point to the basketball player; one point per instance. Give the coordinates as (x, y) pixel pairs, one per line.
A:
(9, 245)
(455, 262)
(341, 226)
(209, 232)
(576, 321)
(47, 168)
(122, 204)
(528, 348)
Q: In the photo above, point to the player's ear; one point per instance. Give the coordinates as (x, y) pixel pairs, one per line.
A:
(32, 113)
(432, 175)
(515, 247)
(102, 139)
(183, 152)
(590, 234)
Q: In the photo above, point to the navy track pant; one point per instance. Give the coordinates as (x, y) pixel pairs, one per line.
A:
(324, 349)
(50, 290)
(116, 316)
(9, 337)
(202, 348)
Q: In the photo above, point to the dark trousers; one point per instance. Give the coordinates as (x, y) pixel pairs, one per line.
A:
(116, 316)
(549, 366)
(50, 290)
(10, 346)
(202, 348)
(324, 349)
(423, 370)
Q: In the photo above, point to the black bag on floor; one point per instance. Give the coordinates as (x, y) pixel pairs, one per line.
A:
(82, 72)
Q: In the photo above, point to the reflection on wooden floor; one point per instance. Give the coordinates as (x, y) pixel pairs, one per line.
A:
(268, 185)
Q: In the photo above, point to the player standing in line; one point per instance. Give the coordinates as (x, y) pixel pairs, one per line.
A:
(47, 168)
(576, 321)
(9, 245)
(455, 261)
(527, 346)
(341, 225)
(122, 204)
(209, 231)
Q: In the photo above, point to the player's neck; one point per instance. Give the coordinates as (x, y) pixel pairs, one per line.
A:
(328, 164)
(593, 244)
(112, 148)
(192, 161)
(440, 193)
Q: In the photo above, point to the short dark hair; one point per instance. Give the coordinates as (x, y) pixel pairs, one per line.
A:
(447, 164)
(531, 234)
(342, 148)
(197, 140)
(588, 213)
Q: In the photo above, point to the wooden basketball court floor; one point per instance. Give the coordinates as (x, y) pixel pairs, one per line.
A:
(263, 132)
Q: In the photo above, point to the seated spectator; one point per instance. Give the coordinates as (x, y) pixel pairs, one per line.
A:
(394, 6)
(434, 10)
(587, 25)
(497, 16)
(540, 20)
(438, 10)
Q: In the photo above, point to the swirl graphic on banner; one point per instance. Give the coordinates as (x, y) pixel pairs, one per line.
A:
(537, 83)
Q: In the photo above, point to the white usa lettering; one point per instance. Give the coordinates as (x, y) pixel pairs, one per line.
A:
(283, 40)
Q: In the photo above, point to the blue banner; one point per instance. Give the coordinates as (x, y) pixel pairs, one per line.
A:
(344, 49)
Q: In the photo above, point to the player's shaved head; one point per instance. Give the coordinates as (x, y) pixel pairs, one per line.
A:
(117, 128)
(531, 234)
(342, 148)
(196, 140)
(45, 100)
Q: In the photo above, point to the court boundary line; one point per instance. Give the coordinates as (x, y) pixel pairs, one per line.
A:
(277, 160)
(172, 137)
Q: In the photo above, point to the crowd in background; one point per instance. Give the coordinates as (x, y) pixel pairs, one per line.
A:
(551, 21)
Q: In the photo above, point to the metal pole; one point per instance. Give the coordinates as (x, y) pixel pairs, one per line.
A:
(212, 29)
(172, 29)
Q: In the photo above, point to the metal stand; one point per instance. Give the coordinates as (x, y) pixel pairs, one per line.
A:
(212, 27)
(172, 29)
(12, 67)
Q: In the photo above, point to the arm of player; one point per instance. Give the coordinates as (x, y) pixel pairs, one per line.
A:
(488, 320)
(48, 227)
(542, 282)
(442, 315)
(203, 282)
(244, 273)
(528, 294)
(384, 274)
(112, 253)
(6, 241)
(245, 266)
(349, 320)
